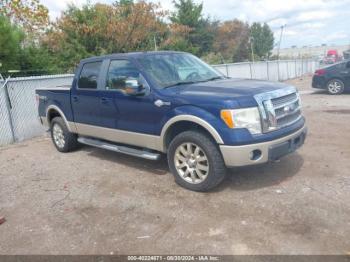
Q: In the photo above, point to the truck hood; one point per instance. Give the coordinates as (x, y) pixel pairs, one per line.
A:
(240, 91)
(230, 88)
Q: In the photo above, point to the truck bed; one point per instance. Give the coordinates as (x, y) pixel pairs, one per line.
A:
(55, 96)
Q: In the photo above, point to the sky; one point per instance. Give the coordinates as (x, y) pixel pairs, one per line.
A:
(307, 22)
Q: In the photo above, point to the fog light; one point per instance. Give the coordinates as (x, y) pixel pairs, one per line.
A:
(255, 154)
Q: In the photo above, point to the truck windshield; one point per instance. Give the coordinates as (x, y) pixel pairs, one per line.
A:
(177, 68)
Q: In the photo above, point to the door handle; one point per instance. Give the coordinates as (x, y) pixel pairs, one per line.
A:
(75, 99)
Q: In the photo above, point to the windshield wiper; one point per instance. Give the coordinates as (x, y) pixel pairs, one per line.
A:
(181, 83)
(193, 82)
(210, 79)
(213, 78)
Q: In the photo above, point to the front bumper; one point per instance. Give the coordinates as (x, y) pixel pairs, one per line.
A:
(259, 153)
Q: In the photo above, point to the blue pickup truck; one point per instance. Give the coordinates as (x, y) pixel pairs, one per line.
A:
(146, 104)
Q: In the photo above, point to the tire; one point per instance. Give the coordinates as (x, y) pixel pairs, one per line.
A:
(63, 140)
(335, 87)
(195, 173)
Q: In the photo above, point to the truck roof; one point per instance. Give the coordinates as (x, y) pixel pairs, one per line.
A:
(131, 54)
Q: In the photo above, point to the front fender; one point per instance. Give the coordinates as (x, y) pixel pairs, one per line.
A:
(193, 114)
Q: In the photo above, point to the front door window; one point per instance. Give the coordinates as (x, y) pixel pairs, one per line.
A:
(123, 76)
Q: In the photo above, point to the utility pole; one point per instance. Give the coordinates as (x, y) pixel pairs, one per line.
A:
(155, 43)
(8, 106)
(251, 40)
(279, 44)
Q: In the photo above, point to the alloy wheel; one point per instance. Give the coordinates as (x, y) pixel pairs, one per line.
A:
(58, 136)
(335, 87)
(191, 163)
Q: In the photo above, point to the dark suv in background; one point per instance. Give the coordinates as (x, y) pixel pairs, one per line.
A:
(334, 78)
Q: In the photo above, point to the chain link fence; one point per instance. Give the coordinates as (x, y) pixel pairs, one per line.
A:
(18, 108)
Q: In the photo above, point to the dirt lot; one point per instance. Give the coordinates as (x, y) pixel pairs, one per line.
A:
(98, 202)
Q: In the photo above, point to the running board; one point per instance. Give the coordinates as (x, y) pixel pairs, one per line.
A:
(118, 148)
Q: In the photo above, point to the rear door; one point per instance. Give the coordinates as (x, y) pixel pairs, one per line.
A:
(85, 95)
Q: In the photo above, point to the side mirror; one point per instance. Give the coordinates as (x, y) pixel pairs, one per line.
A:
(134, 88)
(92, 78)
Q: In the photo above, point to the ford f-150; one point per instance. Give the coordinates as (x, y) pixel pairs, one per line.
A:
(150, 103)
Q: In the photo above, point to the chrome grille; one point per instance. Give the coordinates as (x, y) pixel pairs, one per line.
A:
(287, 109)
(288, 119)
(283, 99)
(279, 108)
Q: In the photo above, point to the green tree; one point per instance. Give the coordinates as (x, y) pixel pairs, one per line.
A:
(176, 38)
(30, 15)
(37, 60)
(187, 13)
(11, 38)
(262, 38)
(200, 37)
(231, 40)
(101, 29)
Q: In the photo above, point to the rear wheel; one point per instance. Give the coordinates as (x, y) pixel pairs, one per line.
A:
(335, 87)
(195, 161)
(63, 140)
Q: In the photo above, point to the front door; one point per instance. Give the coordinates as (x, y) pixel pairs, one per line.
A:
(133, 113)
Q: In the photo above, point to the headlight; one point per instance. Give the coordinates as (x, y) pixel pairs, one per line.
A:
(243, 118)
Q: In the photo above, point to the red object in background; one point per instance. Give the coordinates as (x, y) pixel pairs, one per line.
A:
(332, 57)
(332, 52)
(320, 72)
(2, 220)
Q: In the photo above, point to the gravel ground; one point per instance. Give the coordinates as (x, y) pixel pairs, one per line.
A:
(99, 202)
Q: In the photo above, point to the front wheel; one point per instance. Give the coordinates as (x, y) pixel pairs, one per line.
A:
(335, 87)
(195, 161)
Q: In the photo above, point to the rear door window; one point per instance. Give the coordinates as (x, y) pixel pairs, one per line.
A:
(88, 78)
